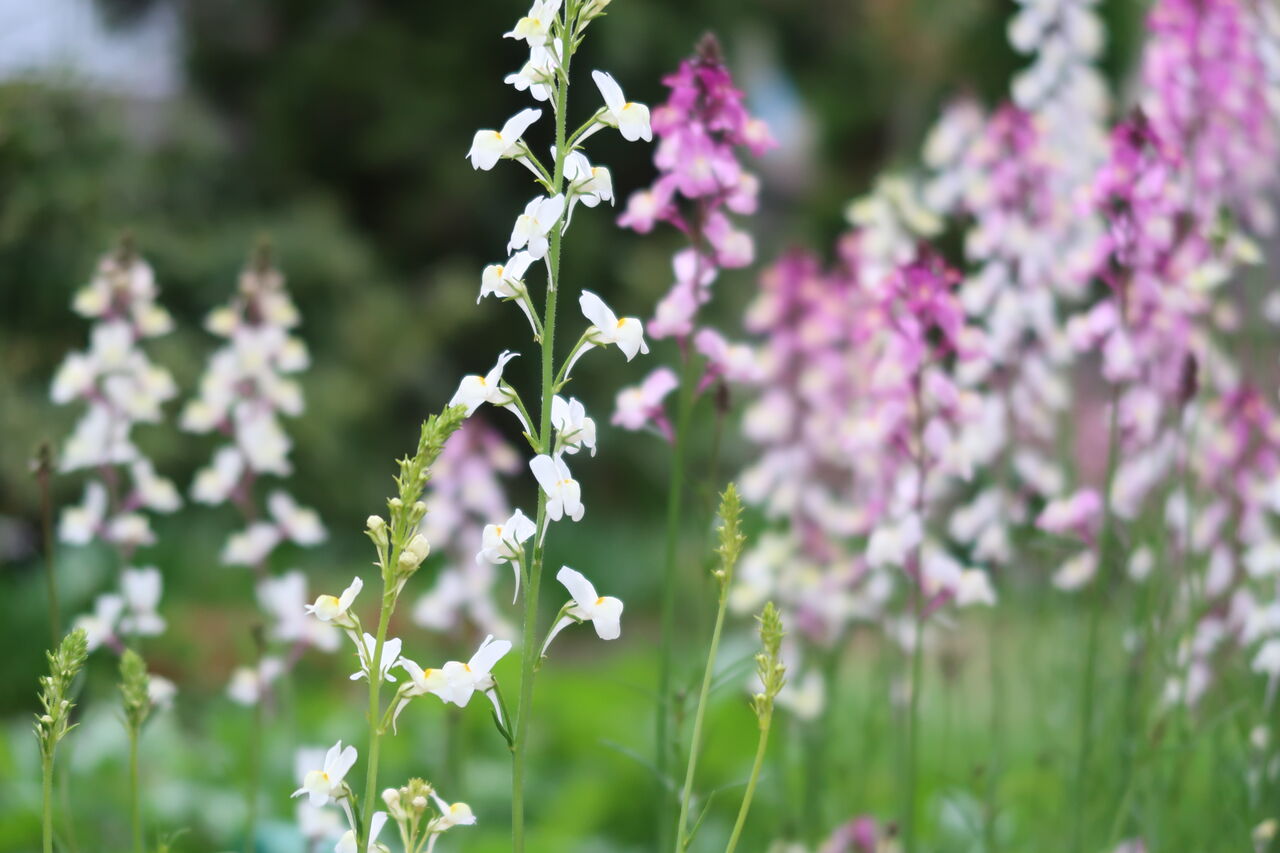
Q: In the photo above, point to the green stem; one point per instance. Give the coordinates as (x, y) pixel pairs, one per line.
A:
(682, 829)
(1097, 602)
(675, 492)
(531, 651)
(135, 802)
(913, 735)
(46, 769)
(761, 747)
(255, 774)
(375, 727)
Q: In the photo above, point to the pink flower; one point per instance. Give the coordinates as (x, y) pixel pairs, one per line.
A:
(641, 405)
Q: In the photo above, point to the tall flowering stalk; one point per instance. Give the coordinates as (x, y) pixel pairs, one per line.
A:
(54, 723)
(701, 128)
(553, 31)
(247, 387)
(120, 388)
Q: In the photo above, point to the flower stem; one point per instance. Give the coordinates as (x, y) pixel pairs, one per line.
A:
(761, 747)
(531, 652)
(1096, 603)
(675, 493)
(913, 735)
(255, 774)
(682, 827)
(46, 772)
(135, 803)
(375, 721)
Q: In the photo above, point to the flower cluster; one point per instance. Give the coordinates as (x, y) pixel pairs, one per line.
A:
(121, 388)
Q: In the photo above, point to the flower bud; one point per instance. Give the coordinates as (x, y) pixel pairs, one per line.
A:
(375, 525)
(391, 796)
(420, 803)
(414, 553)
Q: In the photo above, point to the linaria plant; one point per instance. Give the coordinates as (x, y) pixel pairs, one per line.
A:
(700, 128)
(54, 723)
(728, 551)
(553, 31)
(401, 550)
(246, 389)
(120, 388)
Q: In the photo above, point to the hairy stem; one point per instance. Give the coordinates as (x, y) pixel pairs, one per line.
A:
(375, 719)
(135, 802)
(46, 773)
(531, 651)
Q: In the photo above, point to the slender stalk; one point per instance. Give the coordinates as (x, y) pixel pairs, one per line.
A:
(761, 747)
(375, 725)
(255, 775)
(1096, 603)
(46, 773)
(43, 472)
(135, 802)
(682, 826)
(675, 494)
(913, 737)
(531, 653)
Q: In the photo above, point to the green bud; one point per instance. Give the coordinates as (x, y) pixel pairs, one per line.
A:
(133, 689)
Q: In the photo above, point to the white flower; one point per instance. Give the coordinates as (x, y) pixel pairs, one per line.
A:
(490, 146)
(533, 226)
(251, 546)
(575, 429)
(132, 529)
(79, 524)
(535, 27)
(248, 684)
(973, 586)
(563, 492)
(890, 544)
(604, 612)
(537, 74)
(507, 280)
(504, 543)
(587, 184)
(607, 328)
(324, 784)
(1076, 572)
(455, 682)
(347, 843)
(264, 442)
(141, 589)
(300, 524)
(284, 600)
(334, 609)
(475, 390)
(155, 492)
(100, 625)
(366, 647)
(215, 483)
(161, 691)
(631, 119)
(451, 815)
(74, 378)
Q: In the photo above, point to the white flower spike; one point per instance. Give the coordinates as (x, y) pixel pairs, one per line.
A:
(564, 493)
(631, 119)
(490, 146)
(324, 785)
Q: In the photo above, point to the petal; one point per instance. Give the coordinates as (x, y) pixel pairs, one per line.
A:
(594, 309)
(517, 125)
(580, 589)
(544, 471)
(490, 652)
(609, 90)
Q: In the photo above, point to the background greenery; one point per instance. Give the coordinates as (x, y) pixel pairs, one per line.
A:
(337, 128)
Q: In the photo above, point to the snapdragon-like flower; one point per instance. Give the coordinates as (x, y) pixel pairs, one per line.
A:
(532, 229)
(456, 682)
(490, 146)
(365, 645)
(630, 118)
(564, 495)
(641, 405)
(603, 612)
(507, 281)
(325, 784)
(574, 430)
(535, 27)
(607, 328)
(476, 390)
(335, 608)
(347, 843)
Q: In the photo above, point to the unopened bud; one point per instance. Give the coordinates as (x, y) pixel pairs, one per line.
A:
(391, 797)
(420, 803)
(414, 553)
(375, 524)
